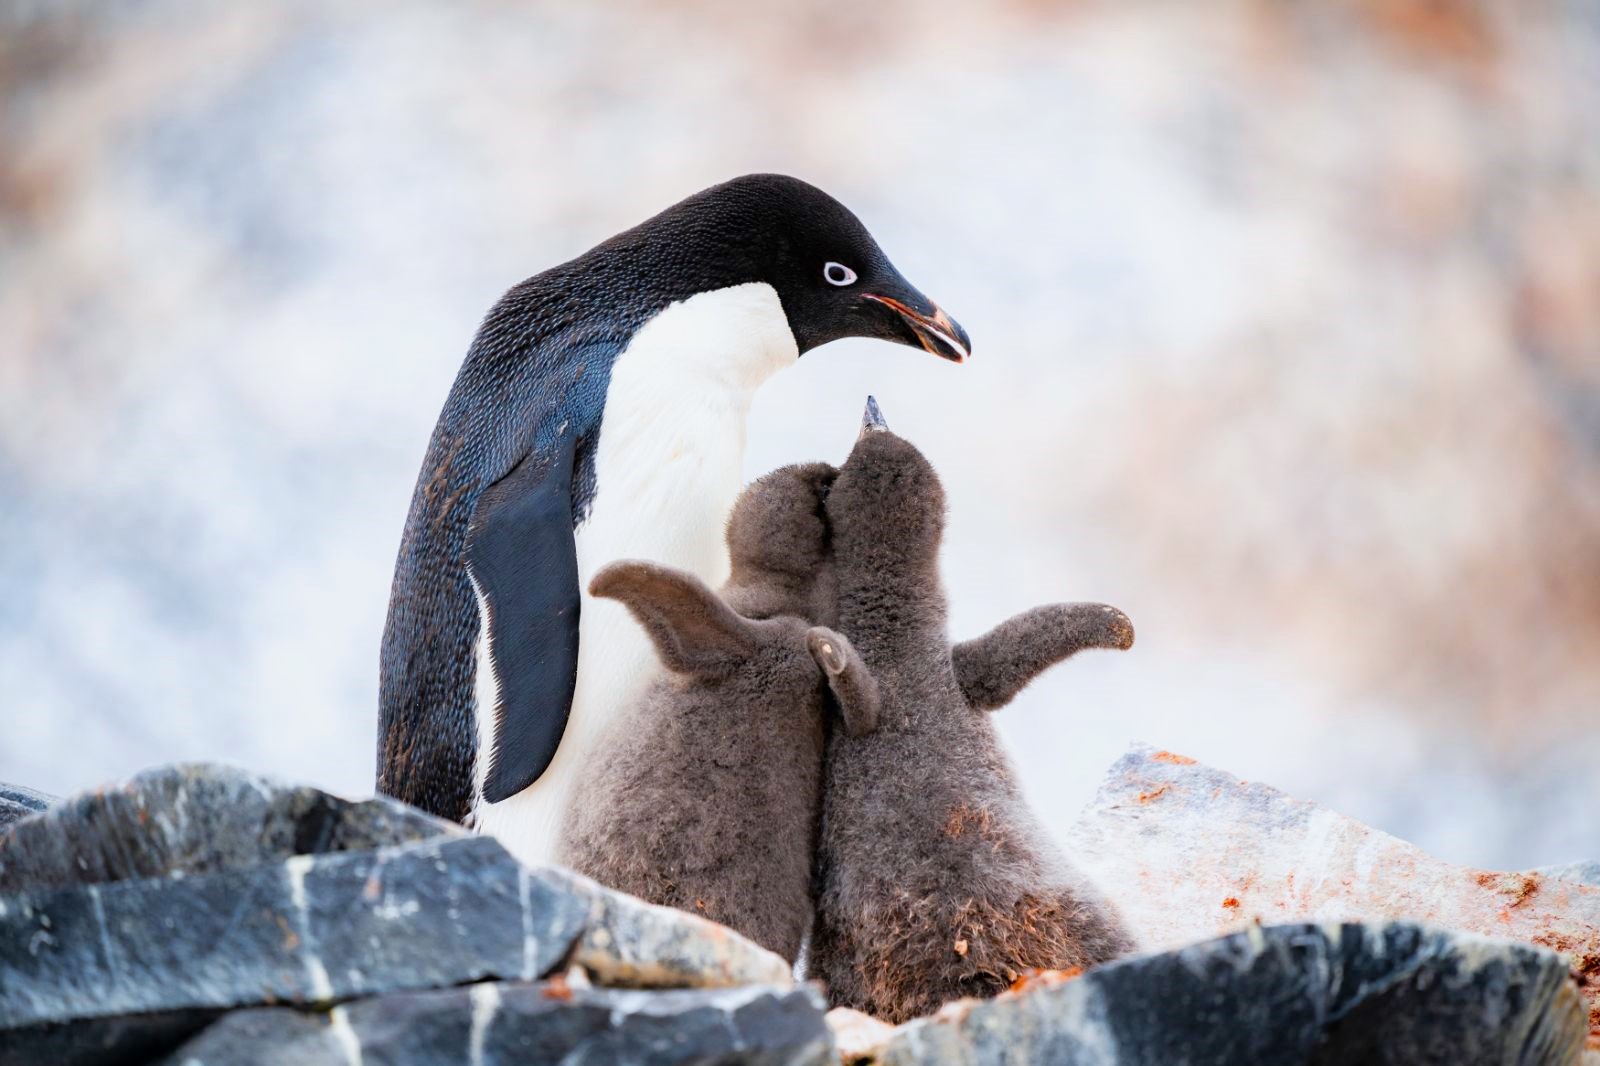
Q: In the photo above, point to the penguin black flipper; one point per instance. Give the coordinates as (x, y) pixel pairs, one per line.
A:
(523, 560)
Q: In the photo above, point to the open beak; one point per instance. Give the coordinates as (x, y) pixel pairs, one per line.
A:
(938, 332)
(872, 420)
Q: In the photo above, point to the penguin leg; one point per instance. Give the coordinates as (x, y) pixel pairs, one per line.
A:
(993, 668)
(523, 561)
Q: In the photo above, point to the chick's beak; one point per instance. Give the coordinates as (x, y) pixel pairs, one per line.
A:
(937, 332)
(872, 420)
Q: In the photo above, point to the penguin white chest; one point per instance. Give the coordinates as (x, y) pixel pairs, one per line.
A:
(668, 468)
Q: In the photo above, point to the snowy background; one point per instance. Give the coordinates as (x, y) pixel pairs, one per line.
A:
(1286, 320)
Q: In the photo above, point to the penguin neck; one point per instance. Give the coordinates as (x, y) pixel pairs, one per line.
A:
(670, 458)
(727, 341)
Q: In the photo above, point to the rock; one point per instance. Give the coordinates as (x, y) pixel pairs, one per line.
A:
(17, 802)
(631, 943)
(190, 891)
(196, 819)
(1331, 994)
(314, 929)
(1583, 873)
(1189, 852)
(510, 1024)
(859, 1037)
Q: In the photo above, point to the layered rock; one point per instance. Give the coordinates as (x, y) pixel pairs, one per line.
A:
(201, 916)
(132, 917)
(197, 819)
(17, 802)
(1328, 994)
(503, 1024)
(1583, 873)
(1190, 852)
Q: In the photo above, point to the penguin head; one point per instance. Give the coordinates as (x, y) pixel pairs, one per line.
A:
(777, 525)
(778, 545)
(829, 273)
(886, 507)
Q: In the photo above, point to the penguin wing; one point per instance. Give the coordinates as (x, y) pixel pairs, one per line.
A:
(523, 562)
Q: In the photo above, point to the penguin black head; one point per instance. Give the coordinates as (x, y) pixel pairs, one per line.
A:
(829, 273)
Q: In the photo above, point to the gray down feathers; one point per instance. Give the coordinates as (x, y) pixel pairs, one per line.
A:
(934, 879)
(777, 768)
(706, 796)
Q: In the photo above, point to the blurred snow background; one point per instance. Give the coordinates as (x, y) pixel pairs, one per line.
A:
(1286, 321)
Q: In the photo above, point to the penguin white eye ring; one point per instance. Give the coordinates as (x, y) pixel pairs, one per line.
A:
(838, 274)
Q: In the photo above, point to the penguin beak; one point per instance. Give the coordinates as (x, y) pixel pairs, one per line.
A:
(872, 420)
(937, 332)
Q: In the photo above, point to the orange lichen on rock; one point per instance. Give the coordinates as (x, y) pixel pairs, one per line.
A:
(291, 939)
(1232, 903)
(1585, 961)
(1558, 942)
(1172, 757)
(1155, 793)
(1518, 886)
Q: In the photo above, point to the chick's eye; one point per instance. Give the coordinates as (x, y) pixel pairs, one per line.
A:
(838, 274)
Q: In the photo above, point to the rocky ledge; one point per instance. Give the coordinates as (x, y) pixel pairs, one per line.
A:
(17, 803)
(1394, 993)
(202, 915)
(1228, 854)
(132, 918)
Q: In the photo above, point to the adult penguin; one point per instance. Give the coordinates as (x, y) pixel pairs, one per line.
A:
(600, 415)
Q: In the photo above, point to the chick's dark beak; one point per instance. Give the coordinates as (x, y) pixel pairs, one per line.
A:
(936, 331)
(872, 420)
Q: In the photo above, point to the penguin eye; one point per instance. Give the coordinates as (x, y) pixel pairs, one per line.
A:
(838, 274)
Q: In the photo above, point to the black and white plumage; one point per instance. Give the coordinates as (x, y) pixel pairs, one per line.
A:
(600, 414)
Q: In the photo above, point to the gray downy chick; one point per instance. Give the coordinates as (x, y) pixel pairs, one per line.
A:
(935, 881)
(706, 795)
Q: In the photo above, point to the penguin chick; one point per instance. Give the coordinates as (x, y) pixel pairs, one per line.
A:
(705, 795)
(934, 879)
(778, 549)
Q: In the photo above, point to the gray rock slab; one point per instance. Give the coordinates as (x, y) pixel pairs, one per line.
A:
(201, 819)
(17, 802)
(194, 819)
(504, 1024)
(633, 944)
(133, 915)
(315, 929)
(1189, 852)
(1327, 995)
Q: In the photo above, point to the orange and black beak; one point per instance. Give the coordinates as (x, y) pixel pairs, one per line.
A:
(936, 331)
